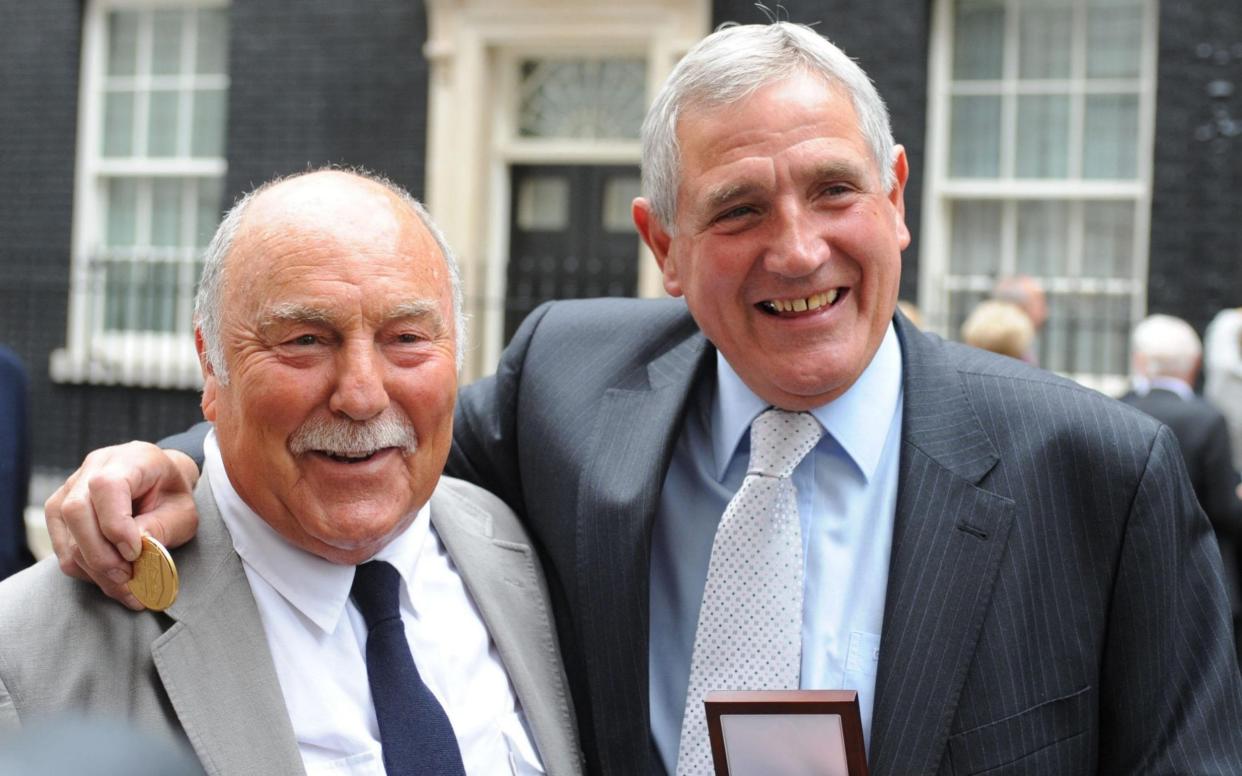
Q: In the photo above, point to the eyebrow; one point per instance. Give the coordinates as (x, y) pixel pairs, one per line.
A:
(840, 168)
(298, 312)
(729, 192)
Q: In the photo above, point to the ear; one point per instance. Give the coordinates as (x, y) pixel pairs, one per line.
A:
(659, 241)
(901, 173)
(210, 385)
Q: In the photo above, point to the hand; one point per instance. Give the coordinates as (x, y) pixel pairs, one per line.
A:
(97, 518)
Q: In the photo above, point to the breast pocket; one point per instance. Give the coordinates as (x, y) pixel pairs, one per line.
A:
(1046, 738)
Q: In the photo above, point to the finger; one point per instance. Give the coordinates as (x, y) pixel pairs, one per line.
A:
(112, 492)
(173, 523)
(92, 550)
(118, 592)
(62, 543)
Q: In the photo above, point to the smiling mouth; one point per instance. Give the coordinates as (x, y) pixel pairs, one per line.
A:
(350, 456)
(802, 304)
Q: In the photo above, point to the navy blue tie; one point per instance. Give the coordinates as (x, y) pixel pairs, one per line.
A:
(415, 733)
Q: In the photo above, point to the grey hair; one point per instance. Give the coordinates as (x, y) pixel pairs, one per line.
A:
(207, 302)
(733, 63)
(1170, 346)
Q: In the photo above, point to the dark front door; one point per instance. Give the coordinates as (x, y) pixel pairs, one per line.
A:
(570, 236)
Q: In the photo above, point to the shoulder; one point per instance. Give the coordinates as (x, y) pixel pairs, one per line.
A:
(471, 504)
(40, 607)
(1019, 405)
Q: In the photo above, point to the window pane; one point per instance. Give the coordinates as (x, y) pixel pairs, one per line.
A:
(543, 204)
(975, 246)
(1108, 239)
(118, 134)
(619, 194)
(122, 223)
(975, 137)
(589, 99)
(1044, 48)
(122, 42)
(207, 213)
(1114, 39)
(978, 39)
(1110, 142)
(1087, 333)
(162, 127)
(1043, 238)
(166, 42)
(1042, 148)
(140, 296)
(166, 213)
(208, 134)
(213, 30)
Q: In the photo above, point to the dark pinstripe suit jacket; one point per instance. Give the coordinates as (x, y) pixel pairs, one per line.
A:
(1055, 603)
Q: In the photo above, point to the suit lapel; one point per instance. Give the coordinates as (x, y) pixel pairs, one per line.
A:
(505, 586)
(215, 663)
(636, 429)
(948, 540)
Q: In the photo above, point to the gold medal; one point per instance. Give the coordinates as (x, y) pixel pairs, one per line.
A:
(155, 579)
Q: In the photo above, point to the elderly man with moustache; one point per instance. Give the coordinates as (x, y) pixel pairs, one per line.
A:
(345, 608)
(1010, 570)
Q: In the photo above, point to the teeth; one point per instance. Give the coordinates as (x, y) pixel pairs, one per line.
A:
(813, 302)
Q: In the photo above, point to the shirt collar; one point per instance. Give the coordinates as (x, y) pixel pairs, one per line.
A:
(858, 419)
(317, 588)
(1172, 385)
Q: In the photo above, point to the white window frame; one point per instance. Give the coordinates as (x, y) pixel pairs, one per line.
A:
(91, 355)
(935, 279)
(474, 48)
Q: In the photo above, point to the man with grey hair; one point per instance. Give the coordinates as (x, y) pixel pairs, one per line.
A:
(344, 608)
(1166, 353)
(773, 481)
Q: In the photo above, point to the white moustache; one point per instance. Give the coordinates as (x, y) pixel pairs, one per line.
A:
(355, 439)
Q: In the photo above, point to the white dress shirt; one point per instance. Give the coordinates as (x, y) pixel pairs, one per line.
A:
(847, 501)
(318, 642)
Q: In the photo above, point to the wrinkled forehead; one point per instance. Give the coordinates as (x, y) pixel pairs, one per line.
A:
(305, 238)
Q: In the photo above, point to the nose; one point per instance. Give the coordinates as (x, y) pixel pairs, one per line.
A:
(359, 393)
(797, 247)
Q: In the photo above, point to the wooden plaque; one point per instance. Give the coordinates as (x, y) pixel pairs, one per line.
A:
(786, 733)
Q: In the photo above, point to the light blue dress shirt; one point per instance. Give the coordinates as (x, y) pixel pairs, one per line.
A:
(847, 497)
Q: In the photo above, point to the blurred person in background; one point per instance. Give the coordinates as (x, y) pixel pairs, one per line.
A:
(1028, 294)
(1001, 327)
(1166, 354)
(1222, 366)
(14, 464)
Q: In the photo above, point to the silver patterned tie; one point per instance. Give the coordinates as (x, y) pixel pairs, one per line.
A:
(749, 635)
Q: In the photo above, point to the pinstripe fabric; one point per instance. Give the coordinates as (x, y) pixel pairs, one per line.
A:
(1054, 604)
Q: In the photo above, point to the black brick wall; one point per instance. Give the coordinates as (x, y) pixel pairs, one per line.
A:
(342, 83)
(332, 83)
(1196, 218)
(889, 39)
(39, 60)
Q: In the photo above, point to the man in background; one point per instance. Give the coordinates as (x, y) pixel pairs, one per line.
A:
(1166, 354)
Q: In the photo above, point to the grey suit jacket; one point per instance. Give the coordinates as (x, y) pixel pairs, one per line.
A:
(1054, 605)
(203, 670)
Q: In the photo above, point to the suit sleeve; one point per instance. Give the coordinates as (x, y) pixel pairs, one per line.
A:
(485, 427)
(189, 442)
(1171, 700)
